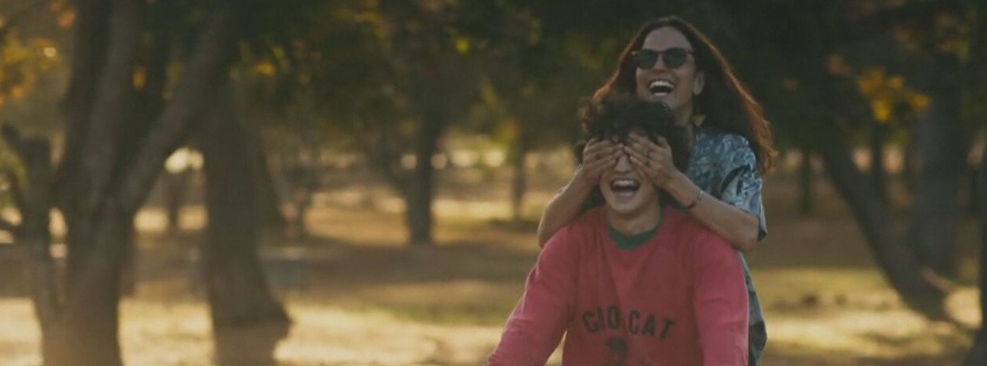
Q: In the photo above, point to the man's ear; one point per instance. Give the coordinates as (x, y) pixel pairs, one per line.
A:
(698, 83)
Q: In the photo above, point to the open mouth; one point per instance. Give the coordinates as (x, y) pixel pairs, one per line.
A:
(661, 88)
(625, 187)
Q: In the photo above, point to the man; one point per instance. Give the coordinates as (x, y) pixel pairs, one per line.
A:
(633, 282)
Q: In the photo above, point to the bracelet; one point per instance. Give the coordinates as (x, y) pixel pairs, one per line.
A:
(699, 197)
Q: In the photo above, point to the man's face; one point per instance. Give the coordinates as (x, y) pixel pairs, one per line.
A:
(625, 190)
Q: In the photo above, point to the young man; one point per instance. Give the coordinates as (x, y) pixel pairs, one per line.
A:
(633, 282)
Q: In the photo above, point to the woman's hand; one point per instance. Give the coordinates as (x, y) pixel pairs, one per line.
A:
(653, 160)
(598, 157)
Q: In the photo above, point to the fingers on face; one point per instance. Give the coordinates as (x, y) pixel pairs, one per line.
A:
(641, 154)
(645, 168)
(603, 160)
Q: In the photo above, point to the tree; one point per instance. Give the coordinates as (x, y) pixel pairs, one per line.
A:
(799, 53)
(247, 320)
(113, 155)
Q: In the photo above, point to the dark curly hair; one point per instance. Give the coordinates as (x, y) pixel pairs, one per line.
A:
(616, 117)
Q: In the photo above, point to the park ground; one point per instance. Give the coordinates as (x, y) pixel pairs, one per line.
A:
(359, 296)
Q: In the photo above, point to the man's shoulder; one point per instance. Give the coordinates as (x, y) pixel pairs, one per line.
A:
(690, 234)
(582, 230)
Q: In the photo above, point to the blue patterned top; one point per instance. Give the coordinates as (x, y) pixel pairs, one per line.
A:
(724, 165)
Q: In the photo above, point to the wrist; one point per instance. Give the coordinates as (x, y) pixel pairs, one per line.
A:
(580, 184)
(681, 188)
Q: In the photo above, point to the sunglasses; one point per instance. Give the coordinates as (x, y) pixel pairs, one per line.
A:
(673, 57)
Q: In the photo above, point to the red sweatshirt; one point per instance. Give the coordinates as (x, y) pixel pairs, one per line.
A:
(679, 299)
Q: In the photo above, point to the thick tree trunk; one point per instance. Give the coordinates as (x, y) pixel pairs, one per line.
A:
(86, 333)
(419, 193)
(99, 147)
(248, 321)
(807, 182)
(941, 147)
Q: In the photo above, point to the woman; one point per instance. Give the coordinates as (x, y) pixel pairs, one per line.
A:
(670, 61)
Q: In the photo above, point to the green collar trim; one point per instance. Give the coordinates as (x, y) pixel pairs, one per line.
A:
(628, 242)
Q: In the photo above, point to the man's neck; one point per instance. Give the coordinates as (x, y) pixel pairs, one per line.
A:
(683, 117)
(637, 222)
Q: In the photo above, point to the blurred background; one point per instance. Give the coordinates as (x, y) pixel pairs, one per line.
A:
(358, 182)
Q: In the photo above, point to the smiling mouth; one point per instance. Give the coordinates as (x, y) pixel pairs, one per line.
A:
(625, 187)
(661, 88)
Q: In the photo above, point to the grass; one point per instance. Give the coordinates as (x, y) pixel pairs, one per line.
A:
(369, 299)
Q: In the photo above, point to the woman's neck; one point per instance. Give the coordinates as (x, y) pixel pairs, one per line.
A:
(683, 116)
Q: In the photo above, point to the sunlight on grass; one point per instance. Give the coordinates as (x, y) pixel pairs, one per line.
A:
(153, 333)
(447, 302)
(888, 334)
(154, 220)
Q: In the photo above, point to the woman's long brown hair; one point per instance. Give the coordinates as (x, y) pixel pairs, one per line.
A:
(725, 101)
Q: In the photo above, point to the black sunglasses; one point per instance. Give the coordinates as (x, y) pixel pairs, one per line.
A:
(673, 57)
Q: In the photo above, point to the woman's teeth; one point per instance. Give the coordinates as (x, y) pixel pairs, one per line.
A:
(660, 88)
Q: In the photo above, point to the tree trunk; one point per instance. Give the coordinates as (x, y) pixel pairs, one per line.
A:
(248, 321)
(34, 202)
(976, 77)
(35, 234)
(942, 162)
(978, 353)
(807, 181)
(102, 184)
(420, 190)
(86, 333)
(899, 264)
(519, 183)
(271, 215)
(973, 178)
(877, 169)
(175, 188)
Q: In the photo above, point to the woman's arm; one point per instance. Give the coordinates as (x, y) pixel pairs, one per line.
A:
(740, 228)
(562, 209)
(737, 226)
(598, 156)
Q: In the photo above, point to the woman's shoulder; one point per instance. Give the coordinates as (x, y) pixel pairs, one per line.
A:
(723, 139)
(715, 145)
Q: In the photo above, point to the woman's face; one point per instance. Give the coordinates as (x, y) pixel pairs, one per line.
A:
(673, 78)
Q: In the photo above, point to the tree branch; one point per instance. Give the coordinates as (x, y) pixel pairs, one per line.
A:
(209, 62)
